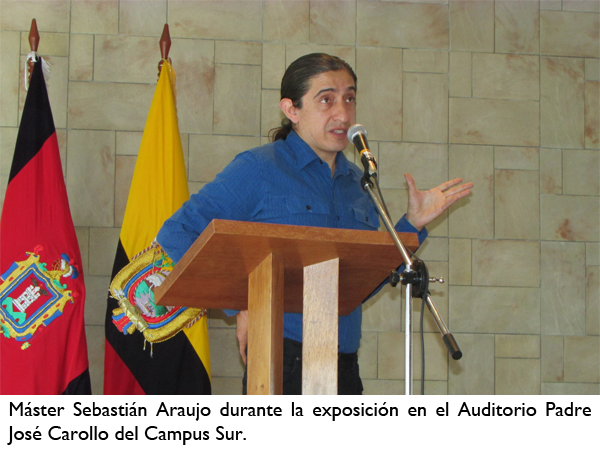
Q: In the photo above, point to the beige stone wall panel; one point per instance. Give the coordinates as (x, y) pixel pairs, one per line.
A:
(194, 63)
(295, 51)
(592, 114)
(550, 171)
(128, 142)
(222, 149)
(234, 20)
(109, 106)
(563, 288)
(592, 305)
(126, 59)
(379, 101)
(226, 385)
(103, 246)
(95, 16)
(427, 163)
(473, 216)
(425, 107)
(237, 100)
(569, 34)
(553, 359)
(510, 76)
(402, 25)
(472, 25)
(592, 254)
(494, 122)
(50, 15)
(90, 177)
(461, 74)
(506, 263)
(517, 376)
(142, 18)
(517, 204)
(81, 59)
(460, 266)
(592, 69)
(226, 360)
(391, 357)
(551, 5)
(581, 5)
(570, 218)
(517, 26)
(581, 172)
(271, 114)
(333, 22)
(425, 61)
(562, 102)
(570, 389)
(124, 168)
(273, 65)
(286, 21)
(10, 78)
(233, 52)
(505, 310)
(96, 339)
(3, 183)
(517, 346)
(582, 359)
(517, 158)
(383, 313)
(83, 239)
(434, 249)
(8, 140)
(473, 375)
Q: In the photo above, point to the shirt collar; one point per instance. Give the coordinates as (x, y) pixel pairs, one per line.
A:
(305, 155)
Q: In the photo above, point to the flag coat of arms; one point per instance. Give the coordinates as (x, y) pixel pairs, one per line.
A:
(152, 349)
(43, 346)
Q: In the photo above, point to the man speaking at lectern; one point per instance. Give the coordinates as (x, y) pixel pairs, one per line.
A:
(303, 178)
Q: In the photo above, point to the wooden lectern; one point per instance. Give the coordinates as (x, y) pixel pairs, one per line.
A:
(323, 272)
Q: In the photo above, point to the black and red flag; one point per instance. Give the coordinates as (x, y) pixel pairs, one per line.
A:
(42, 293)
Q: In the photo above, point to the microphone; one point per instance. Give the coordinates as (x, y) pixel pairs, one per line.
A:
(357, 134)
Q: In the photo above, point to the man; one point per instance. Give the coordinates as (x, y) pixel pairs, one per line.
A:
(303, 178)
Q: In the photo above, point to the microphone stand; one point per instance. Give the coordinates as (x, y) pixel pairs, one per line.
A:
(416, 279)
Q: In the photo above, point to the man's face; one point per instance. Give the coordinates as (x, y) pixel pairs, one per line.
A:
(328, 110)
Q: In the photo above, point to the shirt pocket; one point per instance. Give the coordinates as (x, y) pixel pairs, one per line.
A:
(306, 205)
(366, 217)
(294, 210)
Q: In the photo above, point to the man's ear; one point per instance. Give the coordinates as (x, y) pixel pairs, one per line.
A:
(288, 108)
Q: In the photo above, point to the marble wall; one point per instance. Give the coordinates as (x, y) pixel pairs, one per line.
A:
(502, 93)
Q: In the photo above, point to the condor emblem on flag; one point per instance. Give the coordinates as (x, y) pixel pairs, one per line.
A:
(133, 288)
(32, 296)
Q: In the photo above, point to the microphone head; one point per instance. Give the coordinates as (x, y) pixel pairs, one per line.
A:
(354, 130)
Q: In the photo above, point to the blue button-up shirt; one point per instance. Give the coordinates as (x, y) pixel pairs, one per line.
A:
(283, 182)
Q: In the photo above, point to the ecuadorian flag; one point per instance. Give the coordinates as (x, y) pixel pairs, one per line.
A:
(177, 361)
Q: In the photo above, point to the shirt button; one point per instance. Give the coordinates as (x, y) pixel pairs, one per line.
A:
(338, 217)
(308, 207)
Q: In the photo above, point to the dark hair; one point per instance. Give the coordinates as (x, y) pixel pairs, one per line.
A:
(296, 82)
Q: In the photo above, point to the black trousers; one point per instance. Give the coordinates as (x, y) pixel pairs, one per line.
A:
(349, 382)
